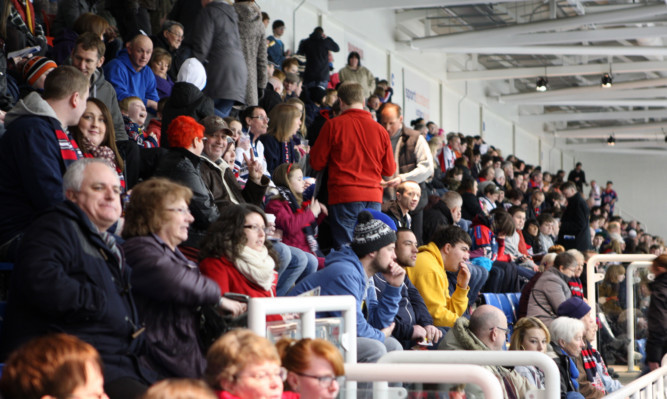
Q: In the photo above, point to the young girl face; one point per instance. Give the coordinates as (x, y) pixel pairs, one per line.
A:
(236, 128)
(296, 182)
(534, 340)
(230, 155)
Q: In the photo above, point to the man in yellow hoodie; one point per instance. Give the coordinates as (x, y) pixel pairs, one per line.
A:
(448, 251)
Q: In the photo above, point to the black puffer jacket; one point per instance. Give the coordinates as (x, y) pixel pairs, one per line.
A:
(656, 343)
(316, 49)
(186, 99)
(182, 166)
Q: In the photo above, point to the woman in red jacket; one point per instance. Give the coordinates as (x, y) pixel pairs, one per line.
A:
(298, 219)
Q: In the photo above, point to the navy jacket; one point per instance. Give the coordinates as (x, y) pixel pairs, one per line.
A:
(316, 49)
(66, 279)
(411, 309)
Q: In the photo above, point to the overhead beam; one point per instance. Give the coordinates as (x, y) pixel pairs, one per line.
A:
(595, 95)
(356, 5)
(558, 50)
(634, 128)
(591, 116)
(603, 103)
(618, 146)
(567, 70)
(434, 42)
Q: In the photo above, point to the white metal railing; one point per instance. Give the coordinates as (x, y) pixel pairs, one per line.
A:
(630, 309)
(495, 358)
(650, 386)
(592, 277)
(430, 373)
(307, 307)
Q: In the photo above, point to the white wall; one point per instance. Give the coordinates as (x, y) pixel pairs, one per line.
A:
(497, 131)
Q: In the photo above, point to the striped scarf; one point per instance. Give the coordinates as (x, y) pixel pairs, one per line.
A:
(69, 150)
(591, 358)
(576, 287)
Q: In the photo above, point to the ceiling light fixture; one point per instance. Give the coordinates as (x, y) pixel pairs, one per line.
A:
(611, 141)
(607, 79)
(541, 84)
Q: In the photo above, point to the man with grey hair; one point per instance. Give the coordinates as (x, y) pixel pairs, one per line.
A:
(486, 330)
(71, 277)
(170, 38)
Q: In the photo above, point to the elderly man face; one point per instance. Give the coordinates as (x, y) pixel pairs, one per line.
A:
(99, 195)
(174, 37)
(140, 50)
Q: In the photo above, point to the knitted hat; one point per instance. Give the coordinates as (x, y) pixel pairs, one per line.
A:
(574, 307)
(370, 235)
(35, 67)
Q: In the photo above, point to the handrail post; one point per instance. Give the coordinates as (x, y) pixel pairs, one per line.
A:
(630, 309)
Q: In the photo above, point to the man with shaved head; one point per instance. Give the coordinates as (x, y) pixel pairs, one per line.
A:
(486, 330)
(129, 74)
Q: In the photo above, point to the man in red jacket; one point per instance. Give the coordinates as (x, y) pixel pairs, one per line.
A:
(357, 151)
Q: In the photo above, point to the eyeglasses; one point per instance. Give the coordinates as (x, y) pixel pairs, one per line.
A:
(265, 375)
(325, 381)
(257, 228)
(505, 330)
(176, 35)
(182, 211)
(265, 118)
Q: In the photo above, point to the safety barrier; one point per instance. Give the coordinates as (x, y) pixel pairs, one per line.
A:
(630, 309)
(495, 358)
(422, 372)
(307, 307)
(592, 277)
(650, 386)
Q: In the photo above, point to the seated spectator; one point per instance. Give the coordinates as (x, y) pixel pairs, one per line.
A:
(71, 277)
(256, 122)
(35, 152)
(243, 365)
(515, 245)
(236, 254)
(187, 97)
(535, 206)
(414, 324)
(297, 218)
(170, 39)
(547, 227)
(486, 330)
(530, 334)
(349, 271)
(96, 138)
(159, 63)
(218, 174)
(545, 264)
(179, 389)
(180, 163)
(292, 86)
(273, 95)
(156, 222)
(471, 205)
(552, 289)
(353, 71)
(609, 291)
(594, 380)
(567, 342)
(408, 194)
(490, 197)
(21, 27)
(134, 116)
(575, 283)
(35, 71)
(531, 232)
(130, 75)
(155, 124)
(53, 366)
(314, 367)
(284, 122)
(447, 251)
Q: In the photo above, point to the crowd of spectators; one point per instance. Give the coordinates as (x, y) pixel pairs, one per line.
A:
(146, 176)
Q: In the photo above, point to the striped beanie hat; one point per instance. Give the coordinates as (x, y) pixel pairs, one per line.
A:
(370, 235)
(35, 67)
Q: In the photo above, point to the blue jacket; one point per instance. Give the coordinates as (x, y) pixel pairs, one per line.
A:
(411, 309)
(31, 165)
(67, 279)
(275, 51)
(343, 274)
(128, 82)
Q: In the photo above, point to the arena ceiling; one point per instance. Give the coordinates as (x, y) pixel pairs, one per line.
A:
(572, 43)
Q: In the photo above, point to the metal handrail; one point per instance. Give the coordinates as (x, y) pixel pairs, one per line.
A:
(495, 358)
(645, 384)
(430, 373)
(630, 309)
(259, 308)
(592, 277)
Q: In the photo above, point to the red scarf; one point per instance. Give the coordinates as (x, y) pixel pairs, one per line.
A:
(68, 148)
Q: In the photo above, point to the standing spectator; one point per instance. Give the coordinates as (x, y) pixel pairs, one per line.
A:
(447, 154)
(186, 12)
(316, 49)
(609, 197)
(595, 196)
(574, 231)
(253, 45)
(217, 44)
(70, 10)
(578, 177)
(35, 152)
(355, 72)
(413, 160)
(129, 72)
(656, 343)
(354, 175)
(276, 48)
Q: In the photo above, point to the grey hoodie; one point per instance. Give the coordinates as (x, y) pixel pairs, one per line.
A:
(31, 105)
